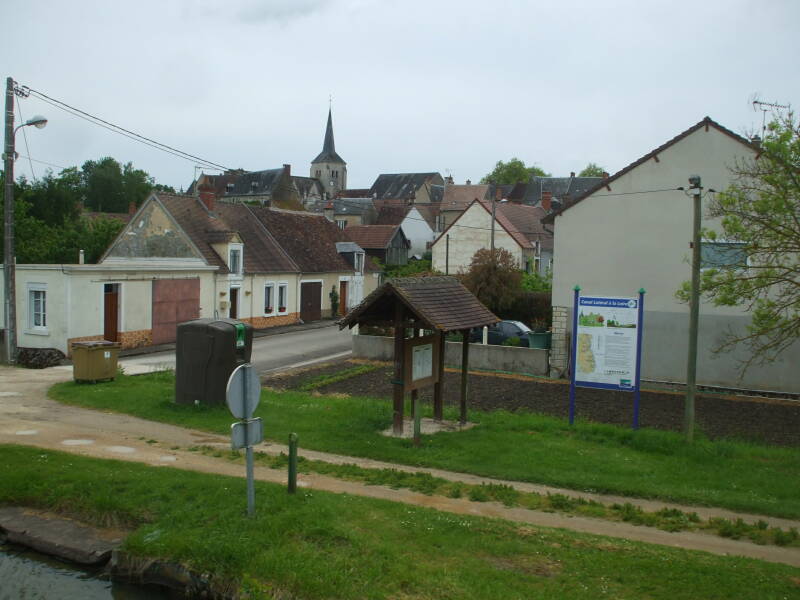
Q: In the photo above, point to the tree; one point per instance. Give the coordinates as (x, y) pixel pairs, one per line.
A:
(511, 172)
(592, 170)
(494, 277)
(760, 212)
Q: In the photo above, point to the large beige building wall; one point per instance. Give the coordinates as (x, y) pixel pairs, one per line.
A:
(468, 235)
(616, 242)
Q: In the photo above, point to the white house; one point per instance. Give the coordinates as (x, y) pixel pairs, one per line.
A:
(632, 231)
(180, 258)
(517, 229)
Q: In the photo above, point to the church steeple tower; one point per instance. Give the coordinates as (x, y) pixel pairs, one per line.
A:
(328, 166)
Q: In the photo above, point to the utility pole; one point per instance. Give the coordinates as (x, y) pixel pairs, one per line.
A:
(8, 240)
(498, 194)
(696, 190)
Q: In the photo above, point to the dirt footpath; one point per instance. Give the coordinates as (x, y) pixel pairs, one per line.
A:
(29, 417)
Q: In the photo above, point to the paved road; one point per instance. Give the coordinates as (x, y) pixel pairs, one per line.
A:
(270, 353)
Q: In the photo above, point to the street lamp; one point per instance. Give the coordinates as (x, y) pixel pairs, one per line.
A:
(8, 249)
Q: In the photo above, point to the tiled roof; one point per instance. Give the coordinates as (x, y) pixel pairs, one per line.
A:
(256, 182)
(391, 212)
(441, 303)
(459, 197)
(371, 237)
(352, 206)
(706, 122)
(309, 239)
(429, 212)
(262, 252)
(559, 187)
(355, 193)
(402, 185)
(526, 221)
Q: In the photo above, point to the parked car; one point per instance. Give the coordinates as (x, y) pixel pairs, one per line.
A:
(502, 331)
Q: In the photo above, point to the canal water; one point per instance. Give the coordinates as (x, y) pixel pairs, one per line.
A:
(32, 576)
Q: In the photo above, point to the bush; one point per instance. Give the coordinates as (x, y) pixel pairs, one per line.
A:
(533, 308)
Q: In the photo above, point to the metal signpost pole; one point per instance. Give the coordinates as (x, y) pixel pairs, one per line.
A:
(243, 396)
(639, 326)
(574, 355)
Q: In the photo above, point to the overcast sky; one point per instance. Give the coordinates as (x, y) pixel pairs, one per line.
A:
(450, 86)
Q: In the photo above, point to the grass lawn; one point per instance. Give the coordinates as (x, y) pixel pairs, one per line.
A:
(320, 545)
(517, 446)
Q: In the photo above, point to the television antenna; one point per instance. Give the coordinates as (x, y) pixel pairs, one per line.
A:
(765, 107)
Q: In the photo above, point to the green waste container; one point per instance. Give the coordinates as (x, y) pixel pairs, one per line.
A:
(94, 361)
(538, 339)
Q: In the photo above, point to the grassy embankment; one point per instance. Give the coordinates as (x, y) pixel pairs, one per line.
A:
(519, 446)
(320, 545)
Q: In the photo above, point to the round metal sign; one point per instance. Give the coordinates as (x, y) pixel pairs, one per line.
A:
(243, 392)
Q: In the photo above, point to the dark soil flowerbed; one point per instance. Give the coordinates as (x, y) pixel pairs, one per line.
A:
(762, 420)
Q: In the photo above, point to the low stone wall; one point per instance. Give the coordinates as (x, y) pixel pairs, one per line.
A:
(533, 361)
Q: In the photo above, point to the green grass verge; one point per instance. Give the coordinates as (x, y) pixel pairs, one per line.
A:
(321, 545)
(668, 519)
(518, 446)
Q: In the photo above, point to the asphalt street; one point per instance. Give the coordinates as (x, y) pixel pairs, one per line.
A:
(270, 353)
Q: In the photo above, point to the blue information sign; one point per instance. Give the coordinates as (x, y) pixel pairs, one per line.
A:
(606, 345)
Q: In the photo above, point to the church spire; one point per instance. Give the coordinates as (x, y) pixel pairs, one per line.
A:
(328, 154)
(329, 146)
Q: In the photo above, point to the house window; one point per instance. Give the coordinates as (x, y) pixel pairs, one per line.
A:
(358, 262)
(37, 313)
(341, 223)
(269, 299)
(235, 260)
(283, 295)
(319, 174)
(722, 255)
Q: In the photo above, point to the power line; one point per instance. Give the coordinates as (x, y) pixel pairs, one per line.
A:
(452, 225)
(44, 163)
(120, 130)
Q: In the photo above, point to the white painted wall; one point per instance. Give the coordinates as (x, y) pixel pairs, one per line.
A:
(74, 296)
(470, 233)
(418, 232)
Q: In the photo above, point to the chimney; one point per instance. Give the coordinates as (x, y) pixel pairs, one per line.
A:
(207, 196)
(605, 175)
(469, 182)
(572, 173)
(287, 170)
(131, 208)
(547, 201)
(449, 180)
(328, 211)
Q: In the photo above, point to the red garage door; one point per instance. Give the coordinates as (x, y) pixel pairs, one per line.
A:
(174, 301)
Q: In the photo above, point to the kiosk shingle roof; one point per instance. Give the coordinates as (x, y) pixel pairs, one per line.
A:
(442, 303)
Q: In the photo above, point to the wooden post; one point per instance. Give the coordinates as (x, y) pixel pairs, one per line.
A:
(415, 411)
(399, 351)
(438, 388)
(464, 374)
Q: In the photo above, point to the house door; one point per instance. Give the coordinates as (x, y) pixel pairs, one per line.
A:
(111, 312)
(343, 298)
(174, 301)
(311, 301)
(234, 312)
